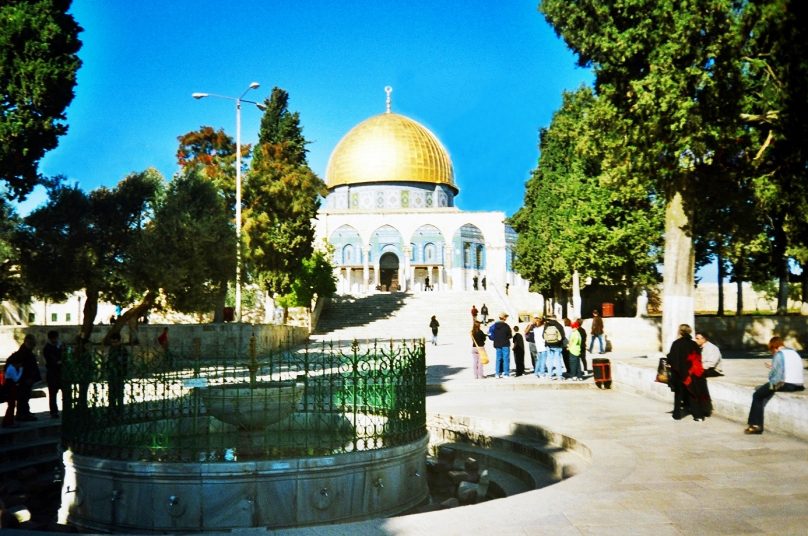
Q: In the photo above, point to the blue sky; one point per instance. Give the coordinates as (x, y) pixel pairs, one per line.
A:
(484, 76)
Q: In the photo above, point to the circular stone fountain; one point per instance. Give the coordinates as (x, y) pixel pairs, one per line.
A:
(341, 443)
(252, 406)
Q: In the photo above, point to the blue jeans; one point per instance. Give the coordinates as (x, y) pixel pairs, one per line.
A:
(541, 364)
(555, 364)
(503, 365)
(762, 395)
(592, 342)
(575, 366)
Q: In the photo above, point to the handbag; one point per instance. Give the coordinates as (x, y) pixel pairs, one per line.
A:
(663, 371)
(481, 352)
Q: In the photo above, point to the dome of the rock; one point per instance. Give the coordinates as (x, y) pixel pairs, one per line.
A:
(387, 148)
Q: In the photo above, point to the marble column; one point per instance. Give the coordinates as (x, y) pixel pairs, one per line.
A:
(365, 268)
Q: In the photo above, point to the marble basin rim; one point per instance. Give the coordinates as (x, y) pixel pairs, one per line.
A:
(252, 406)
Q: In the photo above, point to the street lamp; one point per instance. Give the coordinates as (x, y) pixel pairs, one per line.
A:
(238, 101)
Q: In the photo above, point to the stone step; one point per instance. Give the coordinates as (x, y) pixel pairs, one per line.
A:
(402, 315)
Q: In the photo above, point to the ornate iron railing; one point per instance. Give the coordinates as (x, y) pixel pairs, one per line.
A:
(158, 405)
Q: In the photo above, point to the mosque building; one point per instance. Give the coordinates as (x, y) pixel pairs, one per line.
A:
(391, 218)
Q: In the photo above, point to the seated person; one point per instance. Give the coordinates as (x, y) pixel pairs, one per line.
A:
(786, 375)
(710, 355)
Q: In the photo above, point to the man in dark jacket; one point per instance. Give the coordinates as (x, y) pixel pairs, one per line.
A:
(500, 333)
(30, 375)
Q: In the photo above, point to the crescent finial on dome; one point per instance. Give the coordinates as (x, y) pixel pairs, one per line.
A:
(389, 101)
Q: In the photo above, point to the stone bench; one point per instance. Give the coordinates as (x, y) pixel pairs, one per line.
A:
(731, 394)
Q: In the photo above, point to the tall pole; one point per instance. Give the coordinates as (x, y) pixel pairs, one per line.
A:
(238, 210)
(261, 107)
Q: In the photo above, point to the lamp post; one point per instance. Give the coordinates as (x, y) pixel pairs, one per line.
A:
(238, 101)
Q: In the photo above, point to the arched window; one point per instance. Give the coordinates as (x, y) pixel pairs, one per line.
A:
(413, 249)
(430, 253)
(347, 254)
(479, 257)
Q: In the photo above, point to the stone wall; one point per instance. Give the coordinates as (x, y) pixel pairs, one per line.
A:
(728, 332)
(215, 340)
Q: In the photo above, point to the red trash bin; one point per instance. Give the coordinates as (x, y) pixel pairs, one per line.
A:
(602, 368)
(607, 309)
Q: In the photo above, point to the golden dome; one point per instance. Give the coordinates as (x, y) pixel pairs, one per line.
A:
(389, 148)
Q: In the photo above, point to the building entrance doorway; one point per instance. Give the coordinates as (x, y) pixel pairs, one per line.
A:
(388, 272)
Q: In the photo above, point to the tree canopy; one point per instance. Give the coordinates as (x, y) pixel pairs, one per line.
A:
(38, 63)
(704, 102)
(571, 222)
(281, 195)
(86, 241)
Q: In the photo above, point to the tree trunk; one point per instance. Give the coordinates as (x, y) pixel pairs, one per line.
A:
(739, 302)
(221, 298)
(130, 316)
(720, 285)
(781, 262)
(804, 282)
(678, 270)
(782, 291)
(804, 285)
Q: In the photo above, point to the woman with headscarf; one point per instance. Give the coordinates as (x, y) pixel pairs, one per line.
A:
(478, 338)
(690, 394)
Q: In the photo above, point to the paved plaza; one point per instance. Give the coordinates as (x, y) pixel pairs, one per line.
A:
(646, 473)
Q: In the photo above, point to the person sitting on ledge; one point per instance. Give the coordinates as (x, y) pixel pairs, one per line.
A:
(786, 375)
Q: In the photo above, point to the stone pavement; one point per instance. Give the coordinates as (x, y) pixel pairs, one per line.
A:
(647, 473)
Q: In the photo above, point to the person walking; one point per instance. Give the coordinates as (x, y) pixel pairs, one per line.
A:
(484, 313)
(786, 374)
(485, 284)
(710, 355)
(30, 376)
(477, 347)
(596, 332)
(434, 325)
(475, 282)
(553, 335)
(518, 351)
(474, 312)
(500, 333)
(52, 352)
(686, 378)
(426, 283)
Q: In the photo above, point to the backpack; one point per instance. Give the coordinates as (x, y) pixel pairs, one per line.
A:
(552, 334)
(491, 331)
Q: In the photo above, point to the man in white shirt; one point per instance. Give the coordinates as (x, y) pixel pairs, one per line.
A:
(710, 355)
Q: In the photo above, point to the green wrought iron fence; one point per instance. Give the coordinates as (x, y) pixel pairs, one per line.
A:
(151, 405)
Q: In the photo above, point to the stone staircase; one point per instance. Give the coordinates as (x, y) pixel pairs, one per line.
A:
(402, 315)
(31, 471)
